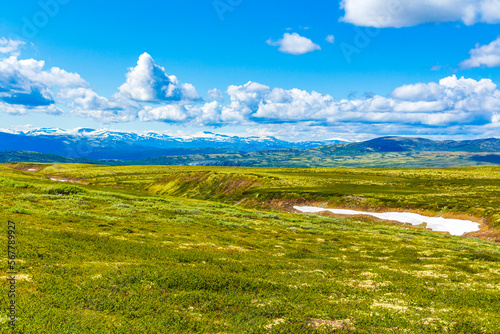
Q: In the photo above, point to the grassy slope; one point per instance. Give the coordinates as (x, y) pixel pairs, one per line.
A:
(464, 192)
(109, 257)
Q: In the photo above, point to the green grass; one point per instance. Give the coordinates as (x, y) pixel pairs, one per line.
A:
(155, 250)
(463, 192)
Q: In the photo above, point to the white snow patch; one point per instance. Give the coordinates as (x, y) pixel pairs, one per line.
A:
(63, 180)
(439, 224)
(53, 179)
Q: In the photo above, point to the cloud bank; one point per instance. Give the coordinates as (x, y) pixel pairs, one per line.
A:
(453, 105)
(451, 101)
(406, 13)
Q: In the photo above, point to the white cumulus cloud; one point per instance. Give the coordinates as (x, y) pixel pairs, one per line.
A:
(148, 94)
(207, 114)
(294, 44)
(215, 94)
(84, 102)
(148, 82)
(406, 13)
(26, 86)
(10, 46)
(166, 113)
(484, 55)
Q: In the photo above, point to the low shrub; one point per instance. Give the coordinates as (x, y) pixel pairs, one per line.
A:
(7, 182)
(66, 190)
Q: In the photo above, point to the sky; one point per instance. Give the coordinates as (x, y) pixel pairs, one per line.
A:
(294, 69)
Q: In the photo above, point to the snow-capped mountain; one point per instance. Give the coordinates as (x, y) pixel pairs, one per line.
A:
(109, 144)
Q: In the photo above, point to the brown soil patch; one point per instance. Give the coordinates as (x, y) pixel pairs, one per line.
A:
(26, 168)
(65, 179)
(345, 324)
(486, 234)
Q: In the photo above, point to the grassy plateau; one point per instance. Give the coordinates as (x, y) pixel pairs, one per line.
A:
(169, 249)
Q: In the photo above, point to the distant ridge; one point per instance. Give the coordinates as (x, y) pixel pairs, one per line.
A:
(106, 144)
(386, 152)
(409, 144)
(27, 156)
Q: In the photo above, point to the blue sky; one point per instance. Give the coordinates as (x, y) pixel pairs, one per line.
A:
(392, 67)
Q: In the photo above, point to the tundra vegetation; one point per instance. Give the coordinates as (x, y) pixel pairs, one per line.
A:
(162, 249)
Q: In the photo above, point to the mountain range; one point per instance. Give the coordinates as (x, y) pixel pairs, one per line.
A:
(209, 149)
(106, 144)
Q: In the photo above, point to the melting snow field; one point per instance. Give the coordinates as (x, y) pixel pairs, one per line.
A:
(453, 226)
